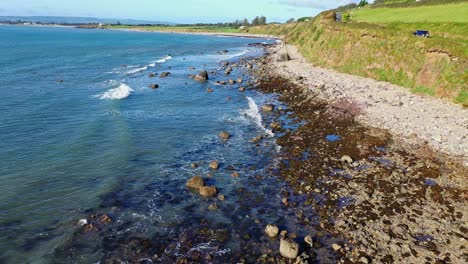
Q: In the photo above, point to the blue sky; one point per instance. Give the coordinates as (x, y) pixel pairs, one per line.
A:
(184, 11)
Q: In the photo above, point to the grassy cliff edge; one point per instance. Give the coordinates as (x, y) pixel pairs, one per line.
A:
(436, 66)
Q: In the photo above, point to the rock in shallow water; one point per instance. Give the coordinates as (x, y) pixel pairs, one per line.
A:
(202, 76)
(271, 231)
(195, 182)
(224, 135)
(288, 248)
(214, 165)
(268, 108)
(208, 191)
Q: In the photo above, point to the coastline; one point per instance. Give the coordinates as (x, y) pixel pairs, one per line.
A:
(241, 35)
(357, 191)
(390, 198)
(415, 119)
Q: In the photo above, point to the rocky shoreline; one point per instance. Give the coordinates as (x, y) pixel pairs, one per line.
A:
(392, 200)
(357, 194)
(415, 119)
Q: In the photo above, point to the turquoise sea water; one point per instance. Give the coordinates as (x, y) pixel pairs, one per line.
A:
(81, 133)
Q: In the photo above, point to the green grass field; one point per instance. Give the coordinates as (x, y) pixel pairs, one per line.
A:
(378, 43)
(181, 29)
(453, 13)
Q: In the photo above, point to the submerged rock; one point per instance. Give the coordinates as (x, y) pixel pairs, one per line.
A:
(221, 197)
(214, 165)
(209, 90)
(275, 126)
(224, 135)
(105, 218)
(213, 207)
(195, 182)
(268, 107)
(208, 191)
(242, 89)
(288, 248)
(256, 139)
(271, 231)
(152, 75)
(164, 74)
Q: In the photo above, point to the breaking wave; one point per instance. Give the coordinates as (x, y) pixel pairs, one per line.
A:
(163, 60)
(121, 92)
(137, 70)
(254, 114)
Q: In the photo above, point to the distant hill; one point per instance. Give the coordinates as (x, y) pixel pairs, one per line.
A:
(80, 20)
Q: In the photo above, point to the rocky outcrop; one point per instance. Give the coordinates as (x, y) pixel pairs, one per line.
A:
(202, 76)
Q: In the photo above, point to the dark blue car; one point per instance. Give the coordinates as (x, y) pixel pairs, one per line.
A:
(422, 33)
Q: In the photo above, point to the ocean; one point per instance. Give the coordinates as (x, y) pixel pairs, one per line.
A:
(82, 136)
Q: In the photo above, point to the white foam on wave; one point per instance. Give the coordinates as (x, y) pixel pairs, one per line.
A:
(138, 70)
(253, 113)
(163, 60)
(121, 92)
(234, 55)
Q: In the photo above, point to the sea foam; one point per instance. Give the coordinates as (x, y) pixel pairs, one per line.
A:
(137, 70)
(121, 92)
(254, 114)
(163, 60)
(233, 55)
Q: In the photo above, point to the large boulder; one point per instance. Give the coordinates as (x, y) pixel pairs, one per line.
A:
(208, 191)
(288, 248)
(202, 76)
(195, 182)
